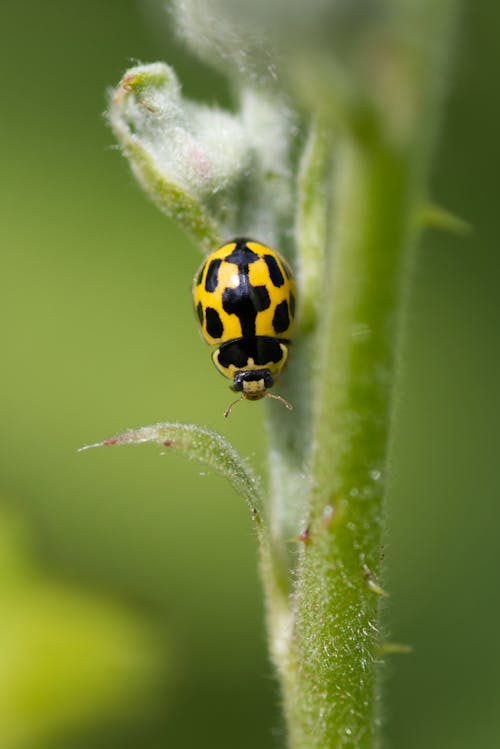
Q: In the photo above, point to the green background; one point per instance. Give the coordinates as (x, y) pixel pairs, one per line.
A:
(98, 335)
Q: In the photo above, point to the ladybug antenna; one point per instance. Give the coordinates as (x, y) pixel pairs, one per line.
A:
(230, 407)
(279, 398)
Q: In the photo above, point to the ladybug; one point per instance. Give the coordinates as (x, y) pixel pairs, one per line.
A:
(244, 296)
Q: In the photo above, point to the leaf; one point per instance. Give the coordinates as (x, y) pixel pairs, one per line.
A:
(435, 217)
(160, 140)
(217, 174)
(204, 446)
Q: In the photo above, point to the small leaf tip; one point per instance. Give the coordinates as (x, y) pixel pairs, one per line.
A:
(108, 442)
(435, 217)
(394, 648)
(373, 584)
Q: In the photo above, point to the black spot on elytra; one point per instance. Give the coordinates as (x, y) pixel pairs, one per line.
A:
(199, 310)
(281, 318)
(245, 301)
(212, 277)
(292, 305)
(214, 324)
(275, 274)
(200, 275)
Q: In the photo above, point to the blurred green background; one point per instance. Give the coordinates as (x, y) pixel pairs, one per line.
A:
(130, 612)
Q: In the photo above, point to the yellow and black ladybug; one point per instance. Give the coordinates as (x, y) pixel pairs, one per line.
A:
(244, 296)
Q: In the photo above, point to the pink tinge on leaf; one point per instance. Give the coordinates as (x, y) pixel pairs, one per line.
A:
(116, 440)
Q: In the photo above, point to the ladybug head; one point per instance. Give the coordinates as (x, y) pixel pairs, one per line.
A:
(253, 385)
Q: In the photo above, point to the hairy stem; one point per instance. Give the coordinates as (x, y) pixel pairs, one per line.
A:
(311, 225)
(329, 671)
(332, 695)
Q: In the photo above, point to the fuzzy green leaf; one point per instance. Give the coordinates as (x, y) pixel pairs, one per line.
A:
(204, 446)
(217, 174)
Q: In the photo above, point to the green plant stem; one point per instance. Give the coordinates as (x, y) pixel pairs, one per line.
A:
(331, 694)
(330, 639)
(311, 225)
(290, 438)
(325, 643)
